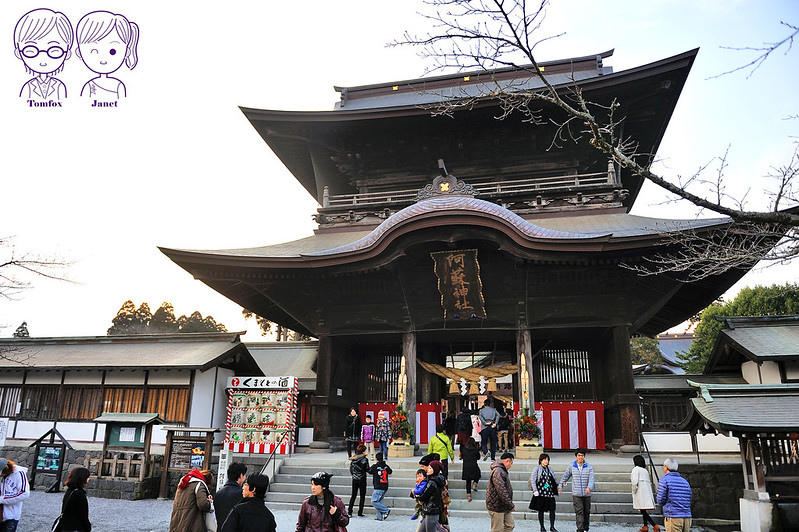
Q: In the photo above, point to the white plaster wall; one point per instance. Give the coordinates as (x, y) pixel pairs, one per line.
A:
(767, 373)
(680, 442)
(83, 377)
(43, 377)
(124, 377)
(718, 443)
(305, 435)
(165, 377)
(32, 430)
(202, 398)
(159, 435)
(770, 372)
(11, 377)
(755, 515)
(677, 442)
(220, 403)
(79, 431)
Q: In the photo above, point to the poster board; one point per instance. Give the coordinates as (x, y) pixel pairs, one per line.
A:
(261, 411)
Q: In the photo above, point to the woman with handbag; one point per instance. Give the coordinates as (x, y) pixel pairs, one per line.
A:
(545, 488)
(643, 498)
(75, 506)
(193, 508)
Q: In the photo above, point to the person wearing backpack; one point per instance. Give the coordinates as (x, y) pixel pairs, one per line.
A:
(442, 446)
(502, 430)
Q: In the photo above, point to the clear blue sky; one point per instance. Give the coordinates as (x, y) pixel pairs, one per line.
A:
(177, 164)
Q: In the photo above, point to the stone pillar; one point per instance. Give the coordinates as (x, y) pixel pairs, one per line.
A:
(409, 352)
(321, 401)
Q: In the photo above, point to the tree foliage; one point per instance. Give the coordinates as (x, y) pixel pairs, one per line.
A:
(752, 301)
(646, 350)
(489, 34)
(131, 321)
(282, 334)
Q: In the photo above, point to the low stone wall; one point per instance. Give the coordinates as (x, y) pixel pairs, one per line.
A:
(716, 489)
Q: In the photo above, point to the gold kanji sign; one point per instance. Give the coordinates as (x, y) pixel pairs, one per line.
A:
(459, 283)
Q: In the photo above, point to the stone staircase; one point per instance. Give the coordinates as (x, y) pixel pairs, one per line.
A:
(611, 500)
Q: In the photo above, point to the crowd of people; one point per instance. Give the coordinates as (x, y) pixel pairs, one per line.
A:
(239, 505)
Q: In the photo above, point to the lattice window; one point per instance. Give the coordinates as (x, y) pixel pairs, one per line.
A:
(123, 400)
(81, 403)
(9, 398)
(39, 402)
(664, 412)
(563, 375)
(171, 404)
(381, 378)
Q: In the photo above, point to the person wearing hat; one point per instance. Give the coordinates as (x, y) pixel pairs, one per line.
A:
(13, 490)
(582, 475)
(382, 433)
(431, 498)
(322, 511)
(499, 495)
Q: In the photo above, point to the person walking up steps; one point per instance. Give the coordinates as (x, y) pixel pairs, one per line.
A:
(582, 475)
(674, 495)
(499, 495)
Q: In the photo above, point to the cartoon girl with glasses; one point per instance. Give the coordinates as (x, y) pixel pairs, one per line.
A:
(106, 41)
(43, 41)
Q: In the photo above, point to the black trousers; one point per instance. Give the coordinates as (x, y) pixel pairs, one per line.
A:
(358, 485)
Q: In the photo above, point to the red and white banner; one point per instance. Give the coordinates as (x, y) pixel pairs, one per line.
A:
(571, 424)
(259, 448)
(428, 415)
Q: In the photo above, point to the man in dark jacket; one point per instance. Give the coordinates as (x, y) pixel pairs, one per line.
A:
(250, 515)
(674, 495)
(358, 467)
(499, 495)
(230, 494)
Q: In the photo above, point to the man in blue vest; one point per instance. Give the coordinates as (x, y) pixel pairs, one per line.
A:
(582, 475)
(674, 495)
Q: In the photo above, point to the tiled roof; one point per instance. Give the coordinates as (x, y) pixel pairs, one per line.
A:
(748, 408)
(180, 351)
(287, 358)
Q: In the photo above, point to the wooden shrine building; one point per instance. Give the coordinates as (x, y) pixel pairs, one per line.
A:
(443, 235)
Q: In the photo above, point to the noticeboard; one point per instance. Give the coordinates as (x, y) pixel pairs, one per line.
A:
(261, 414)
(48, 458)
(127, 436)
(186, 454)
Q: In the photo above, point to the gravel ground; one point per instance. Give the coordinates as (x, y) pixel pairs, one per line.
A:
(108, 515)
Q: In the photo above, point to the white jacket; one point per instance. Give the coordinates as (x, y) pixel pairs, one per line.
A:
(13, 490)
(642, 489)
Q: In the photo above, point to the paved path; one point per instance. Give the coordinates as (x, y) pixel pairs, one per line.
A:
(109, 515)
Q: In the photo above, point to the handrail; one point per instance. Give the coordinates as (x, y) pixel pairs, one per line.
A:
(271, 456)
(643, 440)
(487, 188)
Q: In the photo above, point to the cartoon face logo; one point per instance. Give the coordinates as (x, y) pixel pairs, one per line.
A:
(105, 55)
(44, 56)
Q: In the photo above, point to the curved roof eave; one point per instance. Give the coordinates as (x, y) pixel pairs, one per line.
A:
(343, 115)
(453, 211)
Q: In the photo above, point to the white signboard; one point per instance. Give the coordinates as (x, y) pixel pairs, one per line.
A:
(258, 383)
(3, 430)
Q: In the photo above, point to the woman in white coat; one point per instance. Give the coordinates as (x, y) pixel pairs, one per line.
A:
(643, 499)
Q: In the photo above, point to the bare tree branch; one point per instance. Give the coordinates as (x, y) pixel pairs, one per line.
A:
(16, 268)
(764, 50)
(490, 34)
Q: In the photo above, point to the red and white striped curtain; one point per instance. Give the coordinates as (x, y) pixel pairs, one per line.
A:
(571, 424)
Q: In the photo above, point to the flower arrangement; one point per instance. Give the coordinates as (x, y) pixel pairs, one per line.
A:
(401, 428)
(526, 427)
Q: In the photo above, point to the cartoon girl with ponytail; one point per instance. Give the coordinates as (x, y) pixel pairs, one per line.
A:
(106, 41)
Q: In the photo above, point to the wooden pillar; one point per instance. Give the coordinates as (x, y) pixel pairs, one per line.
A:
(321, 401)
(622, 406)
(524, 349)
(409, 352)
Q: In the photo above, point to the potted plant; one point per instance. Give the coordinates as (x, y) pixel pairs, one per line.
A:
(528, 430)
(401, 429)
